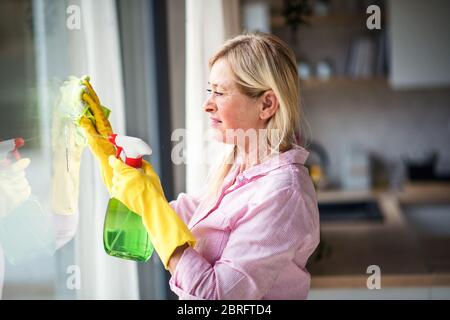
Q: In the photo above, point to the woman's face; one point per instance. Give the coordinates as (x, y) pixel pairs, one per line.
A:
(228, 108)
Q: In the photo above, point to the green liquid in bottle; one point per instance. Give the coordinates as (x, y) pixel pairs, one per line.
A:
(124, 233)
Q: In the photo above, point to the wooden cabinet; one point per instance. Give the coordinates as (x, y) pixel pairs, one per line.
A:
(420, 44)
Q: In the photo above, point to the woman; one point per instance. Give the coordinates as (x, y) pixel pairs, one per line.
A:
(250, 235)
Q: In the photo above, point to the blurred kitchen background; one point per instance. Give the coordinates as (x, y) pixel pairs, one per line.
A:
(377, 109)
(378, 106)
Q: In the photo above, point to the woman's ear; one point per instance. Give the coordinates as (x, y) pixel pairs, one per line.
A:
(269, 105)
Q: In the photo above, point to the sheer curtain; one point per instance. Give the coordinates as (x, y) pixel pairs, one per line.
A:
(92, 50)
(208, 24)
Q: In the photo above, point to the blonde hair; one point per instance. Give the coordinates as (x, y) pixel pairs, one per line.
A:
(261, 62)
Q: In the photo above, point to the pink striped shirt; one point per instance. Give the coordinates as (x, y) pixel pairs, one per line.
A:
(253, 242)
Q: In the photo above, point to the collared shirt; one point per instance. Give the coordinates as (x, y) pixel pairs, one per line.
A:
(254, 240)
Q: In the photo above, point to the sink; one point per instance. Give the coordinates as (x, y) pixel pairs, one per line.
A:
(429, 219)
(351, 211)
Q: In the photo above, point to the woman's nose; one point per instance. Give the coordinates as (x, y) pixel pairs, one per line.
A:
(209, 105)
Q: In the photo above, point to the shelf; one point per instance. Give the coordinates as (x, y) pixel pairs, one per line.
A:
(425, 193)
(317, 82)
(411, 193)
(278, 21)
(345, 196)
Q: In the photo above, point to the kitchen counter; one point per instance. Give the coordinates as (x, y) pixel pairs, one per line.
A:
(405, 256)
(424, 192)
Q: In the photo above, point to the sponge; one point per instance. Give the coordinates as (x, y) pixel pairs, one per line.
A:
(72, 105)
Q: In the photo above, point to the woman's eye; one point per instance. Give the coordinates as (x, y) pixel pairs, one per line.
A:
(217, 94)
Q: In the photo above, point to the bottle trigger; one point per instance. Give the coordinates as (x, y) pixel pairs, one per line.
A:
(118, 151)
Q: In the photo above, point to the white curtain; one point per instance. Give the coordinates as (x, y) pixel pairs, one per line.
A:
(2, 268)
(208, 24)
(93, 50)
(105, 277)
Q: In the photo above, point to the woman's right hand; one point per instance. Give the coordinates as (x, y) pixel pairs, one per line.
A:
(141, 192)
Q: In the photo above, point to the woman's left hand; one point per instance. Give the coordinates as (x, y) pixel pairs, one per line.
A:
(142, 193)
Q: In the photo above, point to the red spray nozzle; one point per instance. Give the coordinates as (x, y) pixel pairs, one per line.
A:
(9, 148)
(134, 149)
(19, 142)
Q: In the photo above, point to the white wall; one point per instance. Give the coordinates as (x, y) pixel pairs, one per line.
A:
(394, 124)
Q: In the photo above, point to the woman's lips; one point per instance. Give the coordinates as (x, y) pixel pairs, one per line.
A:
(215, 122)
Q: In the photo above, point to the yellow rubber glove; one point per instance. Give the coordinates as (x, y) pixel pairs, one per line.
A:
(97, 134)
(141, 192)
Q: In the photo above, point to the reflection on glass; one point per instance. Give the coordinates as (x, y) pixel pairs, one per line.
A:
(25, 229)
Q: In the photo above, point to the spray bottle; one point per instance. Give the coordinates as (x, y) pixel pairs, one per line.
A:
(124, 234)
(9, 149)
